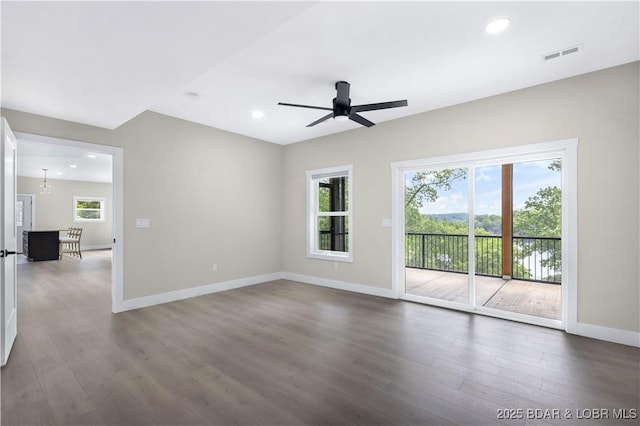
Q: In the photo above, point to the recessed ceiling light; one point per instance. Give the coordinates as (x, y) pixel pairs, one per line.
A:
(257, 114)
(73, 166)
(497, 25)
(59, 173)
(91, 155)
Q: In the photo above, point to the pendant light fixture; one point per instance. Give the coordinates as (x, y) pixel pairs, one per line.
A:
(45, 188)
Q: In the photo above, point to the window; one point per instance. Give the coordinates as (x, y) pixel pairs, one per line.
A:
(19, 213)
(88, 209)
(329, 218)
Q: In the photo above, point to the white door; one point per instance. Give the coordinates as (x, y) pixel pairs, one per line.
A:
(24, 212)
(8, 242)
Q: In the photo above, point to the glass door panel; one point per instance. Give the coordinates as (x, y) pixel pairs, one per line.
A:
(437, 234)
(488, 229)
(517, 237)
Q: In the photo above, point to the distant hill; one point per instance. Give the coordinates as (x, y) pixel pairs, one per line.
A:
(450, 217)
(492, 223)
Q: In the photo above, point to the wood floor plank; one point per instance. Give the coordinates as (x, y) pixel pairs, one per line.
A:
(23, 383)
(251, 406)
(32, 413)
(111, 402)
(285, 353)
(39, 344)
(160, 403)
(63, 393)
(92, 418)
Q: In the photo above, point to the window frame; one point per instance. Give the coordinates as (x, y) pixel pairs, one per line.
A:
(77, 198)
(314, 213)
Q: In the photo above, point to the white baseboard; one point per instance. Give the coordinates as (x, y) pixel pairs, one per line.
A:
(98, 247)
(340, 285)
(172, 296)
(615, 335)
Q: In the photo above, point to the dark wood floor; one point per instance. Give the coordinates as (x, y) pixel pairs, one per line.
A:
(288, 353)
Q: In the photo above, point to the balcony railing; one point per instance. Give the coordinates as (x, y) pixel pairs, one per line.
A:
(534, 258)
(340, 240)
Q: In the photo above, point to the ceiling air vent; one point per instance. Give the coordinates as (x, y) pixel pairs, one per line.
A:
(563, 52)
(552, 56)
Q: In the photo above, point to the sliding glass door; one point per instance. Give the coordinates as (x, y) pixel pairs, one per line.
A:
(486, 236)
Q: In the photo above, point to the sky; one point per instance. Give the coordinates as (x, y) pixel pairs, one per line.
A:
(528, 178)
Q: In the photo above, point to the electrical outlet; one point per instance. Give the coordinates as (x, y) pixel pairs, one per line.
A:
(214, 268)
(335, 265)
(143, 222)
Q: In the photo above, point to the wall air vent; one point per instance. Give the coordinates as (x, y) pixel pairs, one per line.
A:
(563, 52)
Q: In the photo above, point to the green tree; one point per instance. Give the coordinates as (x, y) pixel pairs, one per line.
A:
(491, 223)
(425, 185)
(541, 217)
(424, 189)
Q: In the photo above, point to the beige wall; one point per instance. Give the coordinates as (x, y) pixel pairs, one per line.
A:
(601, 109)
(55, 210)
(214, 196)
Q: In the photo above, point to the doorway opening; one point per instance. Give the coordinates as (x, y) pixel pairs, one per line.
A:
(102, 232)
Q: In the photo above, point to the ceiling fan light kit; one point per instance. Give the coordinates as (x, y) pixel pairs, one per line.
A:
(343, 110)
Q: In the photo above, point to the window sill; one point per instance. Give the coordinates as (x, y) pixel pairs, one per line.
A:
(331, 256)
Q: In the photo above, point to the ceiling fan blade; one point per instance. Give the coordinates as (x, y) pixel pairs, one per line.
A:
(360, 119)
(305, 106)
(326, 117)
(381, 105)
(342, 98)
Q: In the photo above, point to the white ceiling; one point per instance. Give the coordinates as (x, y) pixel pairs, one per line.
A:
(103, 63)
(89, 166)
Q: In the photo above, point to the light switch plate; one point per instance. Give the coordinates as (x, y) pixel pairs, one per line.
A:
(143, 222)
(386, 223)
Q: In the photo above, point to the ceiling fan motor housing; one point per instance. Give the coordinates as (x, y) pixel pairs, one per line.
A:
(341, 109)
(342, 101)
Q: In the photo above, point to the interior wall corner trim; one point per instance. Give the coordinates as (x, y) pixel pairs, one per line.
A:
(340, 285)
(187, 293)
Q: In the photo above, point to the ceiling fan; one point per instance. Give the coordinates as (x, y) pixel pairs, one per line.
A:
(342, 109)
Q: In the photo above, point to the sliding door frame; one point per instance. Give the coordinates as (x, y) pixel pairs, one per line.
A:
(566, 150)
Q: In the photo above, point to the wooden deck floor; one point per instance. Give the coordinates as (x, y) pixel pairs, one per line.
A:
(524, 297)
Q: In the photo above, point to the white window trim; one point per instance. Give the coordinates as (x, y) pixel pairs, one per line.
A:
(313, 252)
(80, 198)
